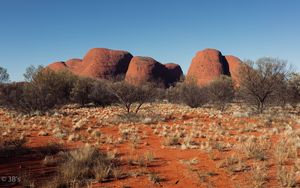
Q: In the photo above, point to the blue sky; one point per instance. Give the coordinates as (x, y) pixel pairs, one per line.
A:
(43, 31)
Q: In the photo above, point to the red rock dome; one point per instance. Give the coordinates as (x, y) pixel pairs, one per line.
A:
(105, 63)
(74, 65)
(207, 66)
(144, 69)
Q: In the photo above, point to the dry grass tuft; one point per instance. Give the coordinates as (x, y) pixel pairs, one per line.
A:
(83, 165)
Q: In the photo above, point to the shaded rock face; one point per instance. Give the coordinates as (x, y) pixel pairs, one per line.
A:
(105, 63)
(234, 65)
(210, 64)
(145, 69)
(174, 73)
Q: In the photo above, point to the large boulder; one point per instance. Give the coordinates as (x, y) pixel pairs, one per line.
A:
(145, 69)
(234, 65)
(207, 66)
(105, 63)
(174, 73)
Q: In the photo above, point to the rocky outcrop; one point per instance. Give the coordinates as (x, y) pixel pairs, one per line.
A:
(210, 64)
(174, 73)
(97, 63)
(206, 66)
(58, 66)
(74, 65)
(234, 65)
(105, 63)
(145, 69)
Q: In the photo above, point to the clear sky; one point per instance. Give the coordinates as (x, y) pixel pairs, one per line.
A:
(43, 31)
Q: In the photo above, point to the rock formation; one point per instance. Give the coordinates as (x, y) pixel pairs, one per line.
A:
(74, 65)
(57, 66)
(105, 63)
(174, 73)
(145, 69)
(97, 63)
(210, 64)
(234, 65)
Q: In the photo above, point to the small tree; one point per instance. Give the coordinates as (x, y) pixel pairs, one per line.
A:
(128, 94)
(221, 91)
(189, 93)
(31, 71)
(100, 94)
(11, 94)
(261, 81)
(47, 89)
(80, 91)
(293, 90)
(4, 76)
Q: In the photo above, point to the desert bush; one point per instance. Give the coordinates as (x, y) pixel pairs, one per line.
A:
(256, 148)
(293, 90)
(189, 93)
(80, 91)
(155, 178)
(100, 94)
(127, 95)
(31, 71)
(221, 91)
(47, 89)
(4, 76)
(259, 175)
(262, 81)
(82, 165)
(284, 149)
(286, 177)
(172, 140)
(11, 94)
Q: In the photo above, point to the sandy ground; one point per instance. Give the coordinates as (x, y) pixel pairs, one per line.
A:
(201, 147)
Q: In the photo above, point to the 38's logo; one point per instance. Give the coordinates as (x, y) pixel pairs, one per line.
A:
(10, 179)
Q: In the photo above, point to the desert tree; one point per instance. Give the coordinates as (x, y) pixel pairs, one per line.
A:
(31, 71)
(188, 92)
(293, 90)
(46, 90)
(262, 81)
(80, 91)
(4, 76)
(221, 91)
(100, 94)
(11, 94)
(127, 94)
